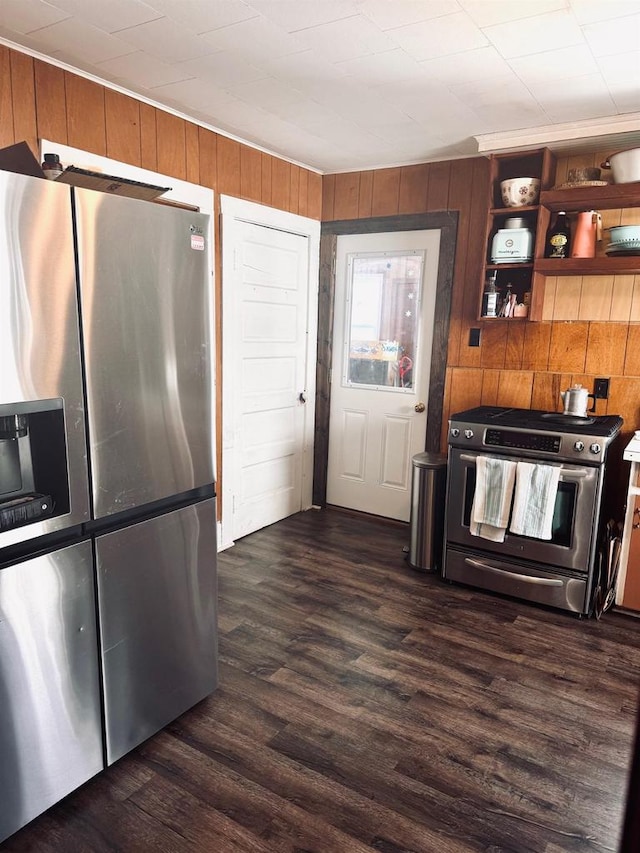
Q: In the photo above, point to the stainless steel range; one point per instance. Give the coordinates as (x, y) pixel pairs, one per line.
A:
(559, 568)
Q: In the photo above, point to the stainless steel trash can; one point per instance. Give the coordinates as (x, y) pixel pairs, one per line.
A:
(428, 486)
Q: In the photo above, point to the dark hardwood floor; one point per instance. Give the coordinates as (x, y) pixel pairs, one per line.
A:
(365, 706)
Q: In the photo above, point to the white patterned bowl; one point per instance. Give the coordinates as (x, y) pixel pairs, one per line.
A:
(517, 192)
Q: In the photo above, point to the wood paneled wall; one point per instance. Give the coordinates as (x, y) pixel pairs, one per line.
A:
(592, 325)
(42, 101)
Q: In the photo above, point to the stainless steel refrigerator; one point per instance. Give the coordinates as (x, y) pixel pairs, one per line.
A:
(107, 494)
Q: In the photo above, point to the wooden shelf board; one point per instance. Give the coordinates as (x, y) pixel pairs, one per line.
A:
(588, 266)
(597, 198)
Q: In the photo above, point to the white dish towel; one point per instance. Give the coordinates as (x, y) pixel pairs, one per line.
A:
(495, 480)
(534, 501)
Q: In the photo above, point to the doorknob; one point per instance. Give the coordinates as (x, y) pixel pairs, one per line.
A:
(301, 397)
(420, 407)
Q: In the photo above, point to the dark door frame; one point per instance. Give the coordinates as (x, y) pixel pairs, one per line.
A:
(446, 221)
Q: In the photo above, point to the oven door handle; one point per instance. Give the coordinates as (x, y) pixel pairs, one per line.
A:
(566, 474)
(478, 564)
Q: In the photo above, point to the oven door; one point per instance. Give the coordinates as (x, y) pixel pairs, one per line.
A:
(576, 509)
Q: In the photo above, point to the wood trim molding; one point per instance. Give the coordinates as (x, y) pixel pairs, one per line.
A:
(446, 221)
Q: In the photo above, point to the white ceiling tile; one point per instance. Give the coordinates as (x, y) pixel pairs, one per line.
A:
(145, 70)
(167, 40)
(439, 37)
(268, 93)
(110, 17)
(618, 35)
(535, 35)
(592, 11)
(374, 70)
(401, 13)
(222, 68)
(621, 69)
(201, 16)
(485, 13)
(548, 67)
(79, 39)
(194, 95)
(475, 64)
(24, 16)
(627, 100)
(256, 39)
(589, 98)
(346, 39)
(293, 15)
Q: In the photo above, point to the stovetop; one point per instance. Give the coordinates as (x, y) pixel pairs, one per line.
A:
(535, 434)
(601, 426)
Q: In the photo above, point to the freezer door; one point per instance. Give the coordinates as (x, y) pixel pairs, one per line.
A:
(40, 370)
(50, 720)
(146, 316)
(157, 604)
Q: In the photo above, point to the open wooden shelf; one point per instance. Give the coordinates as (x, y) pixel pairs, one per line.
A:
(589, 266)
(608, 197)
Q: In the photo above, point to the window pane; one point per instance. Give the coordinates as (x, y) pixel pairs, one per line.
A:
(383, 309)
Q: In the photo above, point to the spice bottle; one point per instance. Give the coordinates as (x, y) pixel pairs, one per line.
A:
(52, 167)
(557, 243)
(490, 297)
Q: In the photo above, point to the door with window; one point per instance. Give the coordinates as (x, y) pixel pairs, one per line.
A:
(384, 308)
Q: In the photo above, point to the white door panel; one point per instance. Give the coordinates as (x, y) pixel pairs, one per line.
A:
(383, 328)
(267, 320)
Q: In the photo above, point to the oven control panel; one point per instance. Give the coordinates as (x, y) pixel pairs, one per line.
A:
(542, 442)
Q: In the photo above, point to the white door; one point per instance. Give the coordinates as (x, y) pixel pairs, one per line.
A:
(268, 389)
(383, 329)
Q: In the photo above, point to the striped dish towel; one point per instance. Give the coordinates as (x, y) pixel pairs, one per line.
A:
(534, 501)
(495, 479)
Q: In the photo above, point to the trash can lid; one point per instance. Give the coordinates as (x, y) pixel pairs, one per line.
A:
(429, 460)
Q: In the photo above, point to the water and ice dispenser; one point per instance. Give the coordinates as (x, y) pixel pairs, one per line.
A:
(34, 481)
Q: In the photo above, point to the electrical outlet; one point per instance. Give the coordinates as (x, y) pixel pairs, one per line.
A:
(474, 337)
(601, 389)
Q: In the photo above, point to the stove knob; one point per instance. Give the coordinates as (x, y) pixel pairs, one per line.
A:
(468, 433)
(579, 446)
(455, 432)
(595, 448)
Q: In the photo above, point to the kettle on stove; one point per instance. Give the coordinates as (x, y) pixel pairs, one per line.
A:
(575, 401)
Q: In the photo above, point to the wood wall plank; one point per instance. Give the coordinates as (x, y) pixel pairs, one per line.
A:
(490, 382)
(328, 197)
(281, 184)
(6, 99)
(386, 192)
(314, 195)
(303, 193)
(192, 152)
(228, 156)
(122, 127)
(250, 173)
(414, 181)
(515, 388)
(493, 344)
(438, 189)
(595, 297)
(466, 388)
(172, 146)
(208, 147)
(568, 347)
(622, 298)
(347, 194)
(606, 349)
(86, 126)
(294, 188)
(267, 178)
(365, 200)
(632, 352)
(51, 102)
(23, 88)
(148, 137)
(535, 353)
